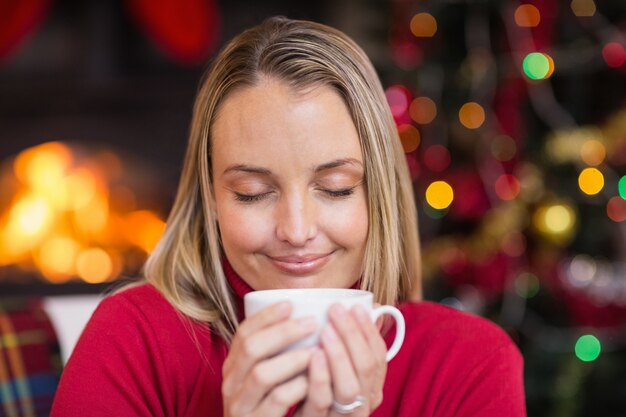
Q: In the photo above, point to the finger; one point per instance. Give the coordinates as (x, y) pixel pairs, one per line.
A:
(263, 344)
(345, 384)
(283, 397)
(320, 395)
(264, 318)
(270, 373)
(371, 332)
(363, 358)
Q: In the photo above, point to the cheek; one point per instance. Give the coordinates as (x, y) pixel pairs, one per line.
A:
(240, 230)
(349, 227)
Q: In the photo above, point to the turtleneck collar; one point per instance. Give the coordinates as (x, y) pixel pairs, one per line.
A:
(239, 286)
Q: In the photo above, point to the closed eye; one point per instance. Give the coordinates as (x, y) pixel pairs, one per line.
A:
(345, 192)
(250, 198)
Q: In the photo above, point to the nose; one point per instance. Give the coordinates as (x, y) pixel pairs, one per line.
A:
(296, 219)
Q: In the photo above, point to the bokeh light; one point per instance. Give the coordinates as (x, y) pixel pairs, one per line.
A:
(507, 187)
(614, 54)
(587, 348)
(398, 97)
(94, 265)
(503, 148)
(144, 229)
(583, 8)
(437, 158)
(527, 285)
(423, 25)
(621, 185)
(439, 195)
(472, 115)
(58, 207)
(616, 209)
(57, 258)
(591, 181)
(593, 152)
(423, 110)
(514, 243)
(43, 165)
(538, 65)
(527, 15)
(582, 269)
(409, 136)
(555, 222)
(558, 218)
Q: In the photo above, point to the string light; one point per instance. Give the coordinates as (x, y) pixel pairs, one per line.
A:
(423, 110)
(538, 65)
(507, 187)
(591, 181)
(614, 54)
(398, 97)
(616, 209)
(409, 136)
(587, 348)
(583, 8)
(527, 285)
(472, 115)
(527, 15)
(439, 195)
(423, 25)
(437, 158)
(593, 152)
(503, 148)
(621, 185)
(555, 222)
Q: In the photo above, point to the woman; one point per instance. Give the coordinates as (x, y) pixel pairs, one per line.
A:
(294, 177)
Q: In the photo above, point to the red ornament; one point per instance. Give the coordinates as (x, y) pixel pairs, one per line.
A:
(18, 19)
(187, 30)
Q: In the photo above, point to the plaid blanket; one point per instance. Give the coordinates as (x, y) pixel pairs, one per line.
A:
(30, 364)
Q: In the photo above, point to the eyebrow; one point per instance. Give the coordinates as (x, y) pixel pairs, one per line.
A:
(247, 168)
(264, 171)
(338, 163)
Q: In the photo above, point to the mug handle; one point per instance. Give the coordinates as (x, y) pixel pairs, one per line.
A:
(400, 327)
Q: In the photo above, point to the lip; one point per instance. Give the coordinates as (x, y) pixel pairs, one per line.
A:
(300, 264)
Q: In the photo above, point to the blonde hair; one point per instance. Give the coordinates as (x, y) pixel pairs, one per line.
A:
(186, 264)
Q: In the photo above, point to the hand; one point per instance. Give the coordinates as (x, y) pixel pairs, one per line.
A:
(258, 380)
(352, 362)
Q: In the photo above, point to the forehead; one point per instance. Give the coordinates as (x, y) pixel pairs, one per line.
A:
(273, 123)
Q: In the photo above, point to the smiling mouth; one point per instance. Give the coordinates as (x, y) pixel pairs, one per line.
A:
(300, 264)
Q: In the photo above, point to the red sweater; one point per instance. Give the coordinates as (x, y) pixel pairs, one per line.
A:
(138, 356)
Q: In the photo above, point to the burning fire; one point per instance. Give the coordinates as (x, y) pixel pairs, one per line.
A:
(66, 219)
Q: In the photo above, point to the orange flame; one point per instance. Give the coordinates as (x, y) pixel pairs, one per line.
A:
(61, 218)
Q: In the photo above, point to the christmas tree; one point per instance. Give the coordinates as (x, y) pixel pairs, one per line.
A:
(513, 119)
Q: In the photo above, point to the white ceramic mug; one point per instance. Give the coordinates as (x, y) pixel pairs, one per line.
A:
(314, 302)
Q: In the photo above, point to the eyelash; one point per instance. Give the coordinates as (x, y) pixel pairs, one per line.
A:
(247, 198)
(340, 193)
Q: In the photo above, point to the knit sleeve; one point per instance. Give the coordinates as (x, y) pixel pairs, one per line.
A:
(116, 368)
